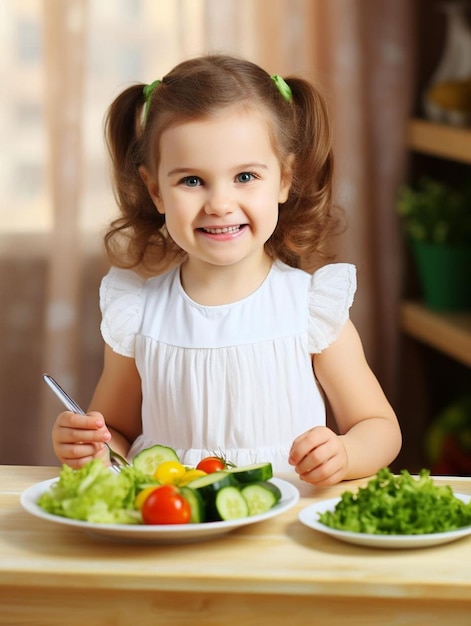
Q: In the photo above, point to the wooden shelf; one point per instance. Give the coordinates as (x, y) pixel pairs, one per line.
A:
(448, 332)
(445, 142)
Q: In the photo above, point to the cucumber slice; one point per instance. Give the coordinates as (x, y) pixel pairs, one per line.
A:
(260, 497)
(196, 503)
(209, 485)
(149, 459)
(253, 473)
(230, 504)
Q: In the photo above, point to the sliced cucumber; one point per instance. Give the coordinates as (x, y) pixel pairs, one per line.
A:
(209, 485)
(260, 497)
(230, 504)
(253, 473)
(195, 500)
(149, 459)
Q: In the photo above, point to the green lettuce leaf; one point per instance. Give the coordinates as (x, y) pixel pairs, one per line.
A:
(95, 494)
(399, 505)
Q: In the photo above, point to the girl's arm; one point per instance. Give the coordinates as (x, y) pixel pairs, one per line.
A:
(370, 436)
(118, 398)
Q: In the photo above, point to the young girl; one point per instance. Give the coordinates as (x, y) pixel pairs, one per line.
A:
(216, 340)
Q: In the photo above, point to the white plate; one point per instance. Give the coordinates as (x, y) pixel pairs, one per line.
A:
(309, 517)
(172, 533)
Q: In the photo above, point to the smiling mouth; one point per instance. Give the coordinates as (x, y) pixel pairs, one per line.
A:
(222, 230)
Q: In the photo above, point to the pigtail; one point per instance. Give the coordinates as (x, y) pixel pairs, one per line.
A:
(308, 219)
(137, 237)
(314, 140)
(120, 125)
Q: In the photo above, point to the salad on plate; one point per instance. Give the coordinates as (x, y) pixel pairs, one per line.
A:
(399, 505)
(393, 511)
(157, 489)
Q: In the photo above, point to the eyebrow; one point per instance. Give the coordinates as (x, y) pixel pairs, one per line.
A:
(240, 168)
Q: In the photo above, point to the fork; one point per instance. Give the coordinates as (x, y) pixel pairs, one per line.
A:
(116, 460)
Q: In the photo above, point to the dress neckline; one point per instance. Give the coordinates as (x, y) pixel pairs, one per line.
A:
(222, 307)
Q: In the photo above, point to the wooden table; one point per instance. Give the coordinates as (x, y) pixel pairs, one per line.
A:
(270, 573)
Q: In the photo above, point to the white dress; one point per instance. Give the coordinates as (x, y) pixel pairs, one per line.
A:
(235, 378)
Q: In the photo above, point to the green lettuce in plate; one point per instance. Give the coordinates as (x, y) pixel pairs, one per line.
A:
(95, 494)
(399, 505)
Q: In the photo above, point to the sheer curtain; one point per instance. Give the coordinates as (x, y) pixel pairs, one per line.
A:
(65, 60)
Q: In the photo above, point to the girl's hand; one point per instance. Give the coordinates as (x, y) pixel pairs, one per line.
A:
(319, 456)
(78, 439)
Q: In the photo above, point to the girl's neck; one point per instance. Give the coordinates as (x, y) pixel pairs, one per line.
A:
(214, 285)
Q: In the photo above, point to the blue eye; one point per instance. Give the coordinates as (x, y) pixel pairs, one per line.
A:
(191, 181)
(244, 177)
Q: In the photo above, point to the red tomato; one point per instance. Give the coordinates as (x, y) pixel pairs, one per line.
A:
(165, 505)
(211, 464)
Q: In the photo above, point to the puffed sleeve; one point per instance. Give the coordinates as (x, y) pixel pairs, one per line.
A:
(121, 307)
(330, 298)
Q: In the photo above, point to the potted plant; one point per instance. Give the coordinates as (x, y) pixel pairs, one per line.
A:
(436, 218)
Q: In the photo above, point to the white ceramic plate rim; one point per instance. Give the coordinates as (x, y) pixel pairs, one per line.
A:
(308, 516)
(163, 533)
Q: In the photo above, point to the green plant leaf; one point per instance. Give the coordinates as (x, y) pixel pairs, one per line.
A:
(436, 212)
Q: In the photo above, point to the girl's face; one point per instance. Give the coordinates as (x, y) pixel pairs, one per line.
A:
(219, 183)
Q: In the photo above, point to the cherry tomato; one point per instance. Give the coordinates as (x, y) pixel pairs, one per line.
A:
(169, 472)
(211, 464)
(165, 505)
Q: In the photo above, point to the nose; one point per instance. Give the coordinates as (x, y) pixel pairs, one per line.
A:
(219, 201)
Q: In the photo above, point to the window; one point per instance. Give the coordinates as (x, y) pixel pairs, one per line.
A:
(123, 42)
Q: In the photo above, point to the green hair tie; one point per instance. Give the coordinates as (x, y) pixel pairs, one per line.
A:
(148, 90)
(282, 87)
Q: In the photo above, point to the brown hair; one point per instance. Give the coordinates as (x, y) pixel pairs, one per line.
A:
(193, 90)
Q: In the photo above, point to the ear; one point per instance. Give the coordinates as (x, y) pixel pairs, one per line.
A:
(286, 179)
(152, 188)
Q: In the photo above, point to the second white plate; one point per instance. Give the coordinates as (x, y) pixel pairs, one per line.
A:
(172, 533)
(309, 517)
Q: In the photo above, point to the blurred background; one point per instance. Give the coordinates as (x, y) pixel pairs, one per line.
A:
(63, 61)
